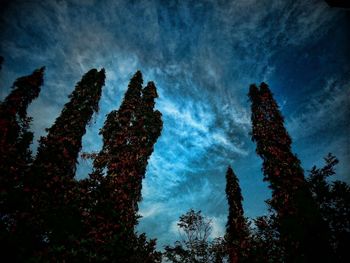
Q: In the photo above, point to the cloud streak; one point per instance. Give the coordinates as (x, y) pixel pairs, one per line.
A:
(202, 55)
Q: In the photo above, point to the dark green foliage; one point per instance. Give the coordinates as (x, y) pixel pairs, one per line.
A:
(236, 228)
(334, 200)
(304, 234)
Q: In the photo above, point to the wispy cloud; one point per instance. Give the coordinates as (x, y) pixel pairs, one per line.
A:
(324, 109)
(202, 56)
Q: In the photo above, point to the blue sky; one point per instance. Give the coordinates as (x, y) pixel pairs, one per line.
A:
(202, 55)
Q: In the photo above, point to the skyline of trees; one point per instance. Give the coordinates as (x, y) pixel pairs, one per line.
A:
(48, 215)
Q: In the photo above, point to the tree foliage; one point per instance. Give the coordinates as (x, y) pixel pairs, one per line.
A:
(128, 135)
(333, 198)
(47, 215)
(236, 228)
(265, 241)
(195, 246)
(15, 138)
(303, 232)
(51, 186)
(58, 218)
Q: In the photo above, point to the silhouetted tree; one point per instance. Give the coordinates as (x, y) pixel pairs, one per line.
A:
(59, 149)
(118, 158)
(303, 232)
(236, 228)
(59, 218)
(128, 135)
(15, 139)
(218, 250)
(195, 246)
(265, 241)
(152, 123)
(14, 123)
(54, 202)
(334, 200)
(14, 134)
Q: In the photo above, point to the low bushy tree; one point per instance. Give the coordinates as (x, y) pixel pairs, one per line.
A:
(195, 246)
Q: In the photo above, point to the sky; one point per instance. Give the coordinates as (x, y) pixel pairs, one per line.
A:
(202, 56)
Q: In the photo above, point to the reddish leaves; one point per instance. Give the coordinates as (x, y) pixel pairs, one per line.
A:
(298, 215)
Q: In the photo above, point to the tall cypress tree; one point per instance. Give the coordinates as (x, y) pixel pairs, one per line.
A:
(13, 114)
(51, 180)
(237, 232)
(128, 135)
(152, 121)
(118, 156)
(118, 127)
(58, 151)
(15, 137)
(303, 232)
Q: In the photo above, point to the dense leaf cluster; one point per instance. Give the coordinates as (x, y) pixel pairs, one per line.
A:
(308, 220)
(195, 246)
(49, 216)
(128, 135)
(15, 138)
(333, 198)
(237, 226)
(304, 233)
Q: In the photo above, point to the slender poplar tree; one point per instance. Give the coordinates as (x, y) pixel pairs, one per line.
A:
(119, 127)
(237, 232)
(128, 136)
(15, 136)
(303, 232)
(152, 121)
(51, 180)
(15, 139)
